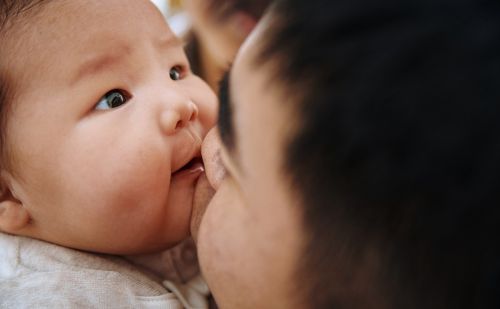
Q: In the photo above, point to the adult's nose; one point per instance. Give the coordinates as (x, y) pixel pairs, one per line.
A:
(178, 115)
(210, 152)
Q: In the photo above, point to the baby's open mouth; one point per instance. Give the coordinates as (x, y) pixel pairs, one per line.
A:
(193, 166)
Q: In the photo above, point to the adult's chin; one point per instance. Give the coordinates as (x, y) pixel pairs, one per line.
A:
(202, 196)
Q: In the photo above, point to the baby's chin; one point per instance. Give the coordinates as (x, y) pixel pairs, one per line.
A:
(175, 227)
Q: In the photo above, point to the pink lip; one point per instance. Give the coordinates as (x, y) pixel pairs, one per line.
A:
(192, 169)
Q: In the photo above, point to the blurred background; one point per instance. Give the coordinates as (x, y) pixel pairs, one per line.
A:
(213, 31)
(176, 16)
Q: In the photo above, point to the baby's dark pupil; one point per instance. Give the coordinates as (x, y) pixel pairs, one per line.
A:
(116, 99)
(174, 74)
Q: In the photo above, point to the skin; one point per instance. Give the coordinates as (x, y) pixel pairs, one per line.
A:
(219, 40)
(92, 179)
(250, 235)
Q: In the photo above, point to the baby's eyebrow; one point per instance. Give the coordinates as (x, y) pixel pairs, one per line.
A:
(170, 41)
(108, 58)
(102, 60)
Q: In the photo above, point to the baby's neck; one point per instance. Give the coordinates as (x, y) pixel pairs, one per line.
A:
(178, 264)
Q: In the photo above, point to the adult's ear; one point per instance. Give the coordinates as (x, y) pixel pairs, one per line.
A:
(13, 215)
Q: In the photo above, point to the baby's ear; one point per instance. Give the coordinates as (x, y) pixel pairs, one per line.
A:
(13, 216)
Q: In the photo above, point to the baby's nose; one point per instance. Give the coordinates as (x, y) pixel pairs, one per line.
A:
(210, 151)
(177, 116)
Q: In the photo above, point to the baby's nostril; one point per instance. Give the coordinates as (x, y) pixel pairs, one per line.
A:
(179, 124)
(194, 112)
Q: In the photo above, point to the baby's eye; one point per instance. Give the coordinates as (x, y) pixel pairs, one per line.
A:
(112, 99)
(176, 73)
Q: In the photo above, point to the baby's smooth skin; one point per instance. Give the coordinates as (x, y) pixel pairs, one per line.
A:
(105, 116)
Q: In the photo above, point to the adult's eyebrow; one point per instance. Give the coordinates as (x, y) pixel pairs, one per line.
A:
(225, 122)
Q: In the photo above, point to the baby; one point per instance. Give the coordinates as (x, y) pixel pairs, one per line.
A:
(101, 127)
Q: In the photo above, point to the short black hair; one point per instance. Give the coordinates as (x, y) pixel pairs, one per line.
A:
(397, 156)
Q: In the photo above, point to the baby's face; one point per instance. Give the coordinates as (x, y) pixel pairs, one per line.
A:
(106, 117)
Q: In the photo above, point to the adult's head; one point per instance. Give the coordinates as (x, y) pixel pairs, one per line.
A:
(222, 25)
(361, 141)
(219, 29)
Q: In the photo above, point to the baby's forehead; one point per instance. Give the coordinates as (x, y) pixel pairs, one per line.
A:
(58, 32)
(54, 20)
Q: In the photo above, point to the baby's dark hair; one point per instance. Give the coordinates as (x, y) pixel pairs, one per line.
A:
(12, 13)
(397, 154)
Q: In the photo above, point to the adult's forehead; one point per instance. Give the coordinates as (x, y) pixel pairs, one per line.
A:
(256, 38)
(249, 52)
(244, 75)
(257, 96)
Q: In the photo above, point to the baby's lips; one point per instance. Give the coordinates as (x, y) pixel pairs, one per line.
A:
(195, 166)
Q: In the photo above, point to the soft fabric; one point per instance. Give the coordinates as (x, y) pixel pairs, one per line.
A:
(37, 274)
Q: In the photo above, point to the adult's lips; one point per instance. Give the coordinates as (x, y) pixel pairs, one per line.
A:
(202, 196)
(209, 181)
(181, 196)
(211, 153)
